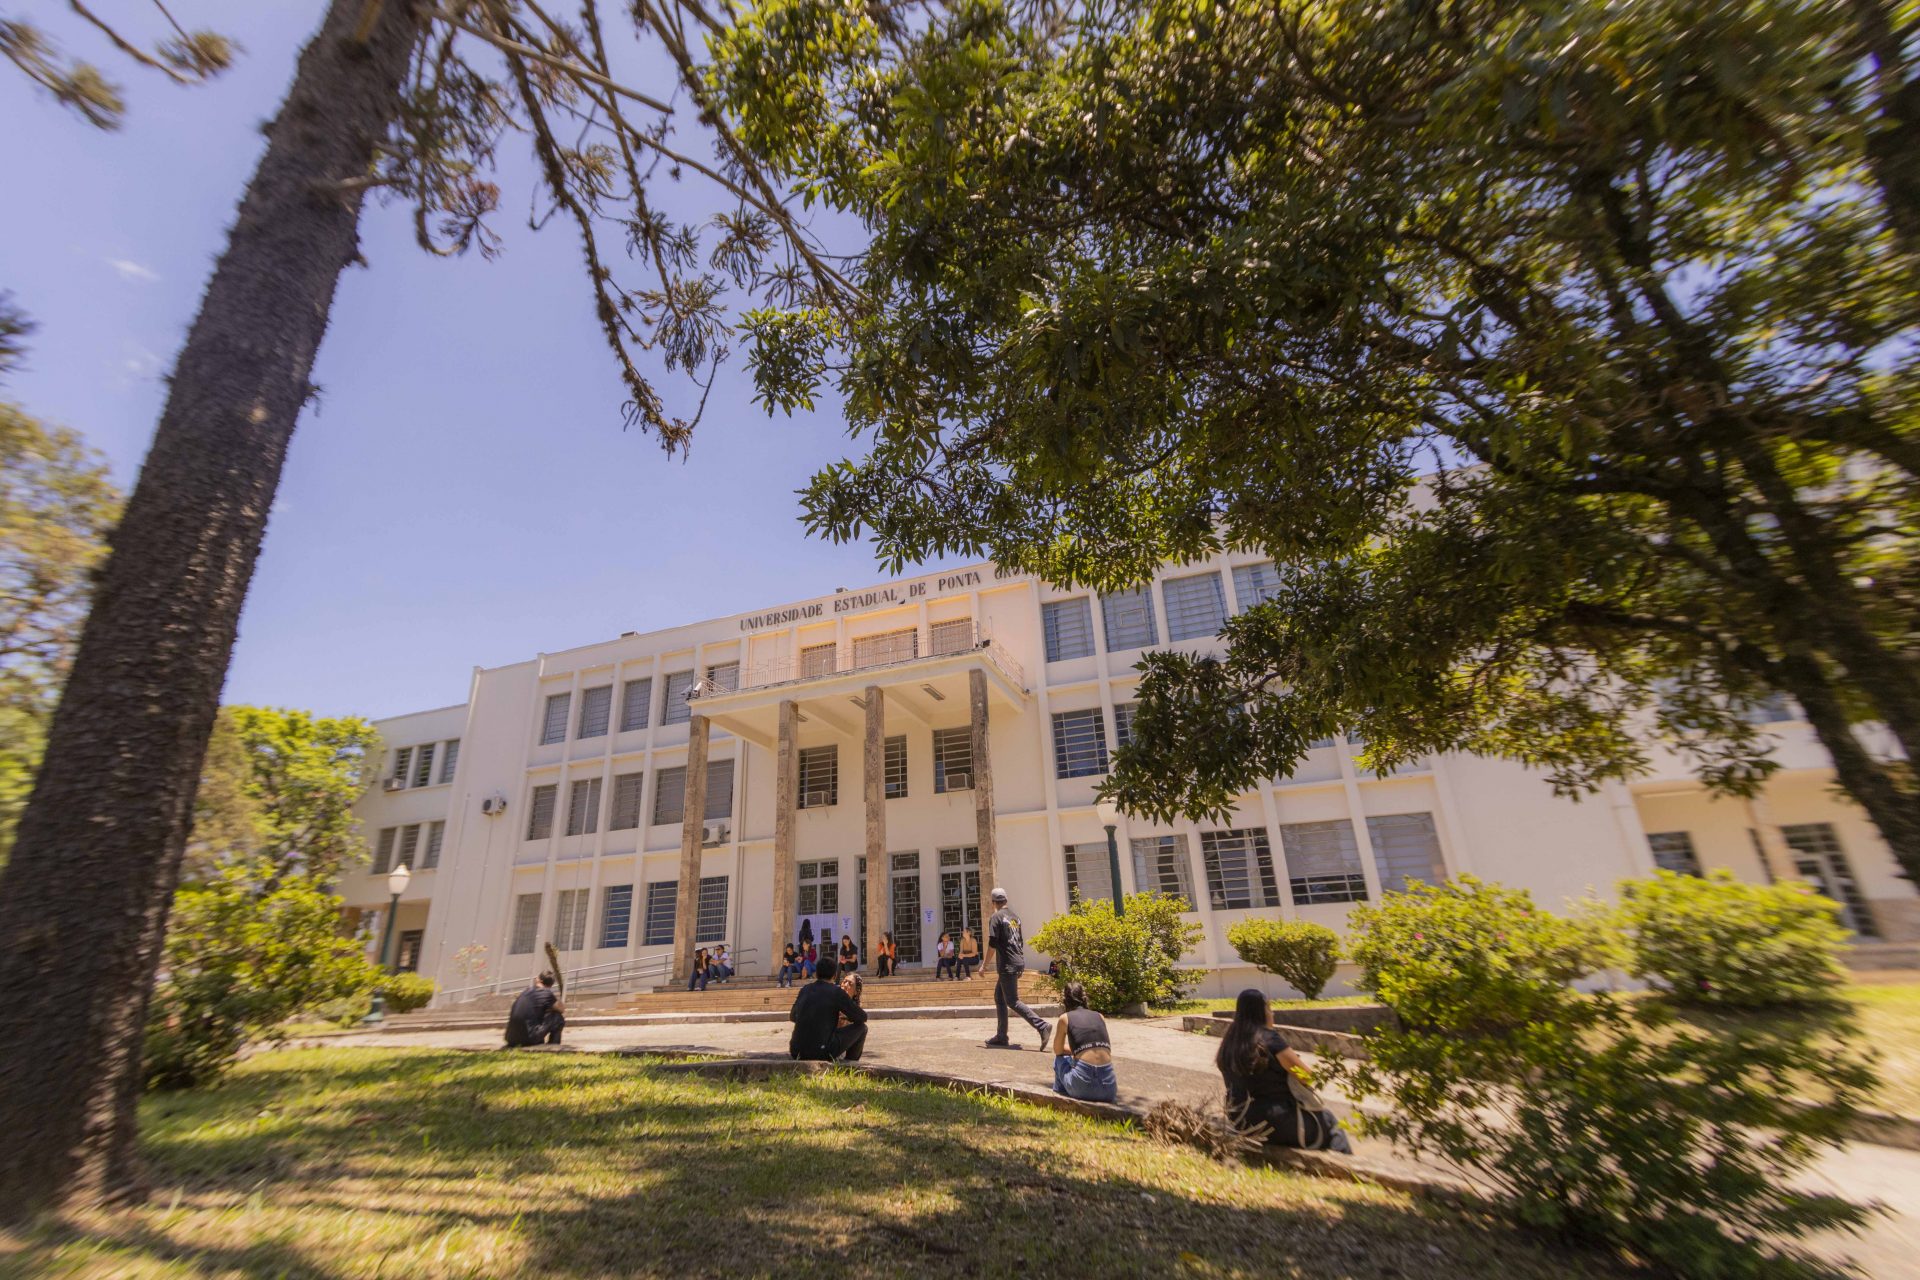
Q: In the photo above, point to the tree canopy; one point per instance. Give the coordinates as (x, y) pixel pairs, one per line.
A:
(1558, 354)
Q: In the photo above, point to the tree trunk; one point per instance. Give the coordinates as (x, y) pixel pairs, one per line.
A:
(84, 900)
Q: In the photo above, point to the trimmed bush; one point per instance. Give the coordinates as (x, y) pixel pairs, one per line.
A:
(1123, 960)
(1299, 951)
(406, 992)
(1717, 941)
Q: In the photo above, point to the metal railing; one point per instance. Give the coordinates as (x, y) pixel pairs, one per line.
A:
(614, 977)
(947, 640)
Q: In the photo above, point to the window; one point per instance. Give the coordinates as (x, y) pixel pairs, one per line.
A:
(1068, 625)
(383, 851)
(1129, 619)
(436, 836)
(596, 706)
(1160, 866)
(1673, 851)
(554, 727)
(636, 701)
(1079, 743)
(658, 930)
(1255, 584)
(1323, 862)
(583, 807)
(819, 777)
(719, 791)
(710, 925)
(406, 953)
(409, 843)
(1123, 722)
(540, 812)
(895, 770)
(1239, 869)
(675, 709)
(526, 924)
(670, 795)
(1819, 859)
(952, 760)
(423, 766)
(402, 765)
(818, 660)
(723, 677)
(1406, 850)
(449, 756)
(1775, 708)
(570, 919)
(952, 636)
(626, 801)
(1196, 606)
(616, 914)
(820, 887)
(1089, 875)
(888, 646)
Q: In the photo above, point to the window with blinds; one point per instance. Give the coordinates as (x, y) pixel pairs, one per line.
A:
(719, 791)
(583, 807)
(894, 770)
(952, 760)
(403, 765)
(1160, 866)
(570, 919)
(636, 702)
(819, 777)
(670, 795)
(1819, 859)
(553, 727)
(526, 924)
(1123, 722)
(409, 844)
(1239, 866)
(423, 765)
(449, 756)
(1323, 862)
(818, 660)
(1196, 606)
(1128, 616)
(674, 708)
(1673, 851)
(596, 709)
(1068, 627)
(657, 929)
(888, 646)
(540, 811)
(1079, 743)
(1089, 875)
(1255, 584)
(723, 677)
(710, 925)
(616, 914)
(1406, 850)
(627, 789)
(952, 636)
(383, 850)
(819, 887)
(436, 836)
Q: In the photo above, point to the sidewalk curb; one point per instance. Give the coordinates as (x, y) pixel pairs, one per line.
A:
(673, 1019)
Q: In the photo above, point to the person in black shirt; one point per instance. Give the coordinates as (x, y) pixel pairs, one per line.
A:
(1266, 1085)
(815, 1014)
(537, 1016)
(1007, 953)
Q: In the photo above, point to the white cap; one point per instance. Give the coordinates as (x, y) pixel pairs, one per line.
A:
(998, 894)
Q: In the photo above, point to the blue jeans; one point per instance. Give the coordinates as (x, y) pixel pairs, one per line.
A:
(1082, 1080)
(698, 982)
(784, 975)
(948, 965)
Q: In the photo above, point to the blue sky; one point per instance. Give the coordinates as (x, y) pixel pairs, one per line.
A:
(465, 493)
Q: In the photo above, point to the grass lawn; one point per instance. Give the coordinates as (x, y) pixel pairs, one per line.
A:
(341, 1163)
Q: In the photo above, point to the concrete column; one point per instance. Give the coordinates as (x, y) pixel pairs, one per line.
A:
(786, 784)
(983, 832)
(686, 909)
(873, 760)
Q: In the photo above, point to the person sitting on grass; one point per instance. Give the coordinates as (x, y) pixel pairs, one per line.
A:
(537, 1016)
(1082, 1054)
(854, 988)
(1267, 1082)
(818, 1033)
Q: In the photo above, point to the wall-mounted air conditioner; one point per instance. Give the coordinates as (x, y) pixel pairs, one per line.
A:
(395, 784)
(714, 833)
(493, 806)
(816, 800)
(959, 780)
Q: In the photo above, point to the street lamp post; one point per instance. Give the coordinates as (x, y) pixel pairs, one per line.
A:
(1109, 814)
(396, 885)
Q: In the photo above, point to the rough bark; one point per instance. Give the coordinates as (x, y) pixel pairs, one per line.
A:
(84, 900)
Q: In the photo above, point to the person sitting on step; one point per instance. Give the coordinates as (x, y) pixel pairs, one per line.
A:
(849, 955)
(789, 966)
(969, 953)
(945, 959)
(818, 1035)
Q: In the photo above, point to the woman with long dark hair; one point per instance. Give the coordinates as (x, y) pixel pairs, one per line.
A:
(1082, 1054)
(1267, 1084)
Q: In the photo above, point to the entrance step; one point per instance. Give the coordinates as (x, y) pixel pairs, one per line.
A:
(903, 992)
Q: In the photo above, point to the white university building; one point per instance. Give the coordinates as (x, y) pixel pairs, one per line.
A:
(900, 749)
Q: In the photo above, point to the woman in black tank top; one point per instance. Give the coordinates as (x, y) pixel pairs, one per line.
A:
(1082, 1053)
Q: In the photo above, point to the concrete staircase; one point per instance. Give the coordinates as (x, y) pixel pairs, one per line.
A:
(910, 990)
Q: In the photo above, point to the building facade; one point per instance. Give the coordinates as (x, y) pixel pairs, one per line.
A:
(894, 752)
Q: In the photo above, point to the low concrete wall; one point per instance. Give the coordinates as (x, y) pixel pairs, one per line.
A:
(1304, 1039)
(1353, 1019)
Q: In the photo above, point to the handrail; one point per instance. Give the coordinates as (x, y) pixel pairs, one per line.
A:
(621, 972)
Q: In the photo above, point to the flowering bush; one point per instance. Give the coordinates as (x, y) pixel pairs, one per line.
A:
(1299, 951)
(1716, 941)
(1123, 960)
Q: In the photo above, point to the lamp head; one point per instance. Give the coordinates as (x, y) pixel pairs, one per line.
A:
(397, 880)
(1108, 811)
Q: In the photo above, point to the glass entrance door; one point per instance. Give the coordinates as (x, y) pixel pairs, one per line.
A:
(1821, 862)
(906, 907)
(960, 891)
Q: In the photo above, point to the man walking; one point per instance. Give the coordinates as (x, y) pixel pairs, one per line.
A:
(537, 1016)
(1007, 956)
(815, 1015)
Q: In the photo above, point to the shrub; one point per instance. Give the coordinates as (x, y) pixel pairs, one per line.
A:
(1303, 953)
(406, 992)
(1595, 1117)
(1123, 960)
(1716, 941)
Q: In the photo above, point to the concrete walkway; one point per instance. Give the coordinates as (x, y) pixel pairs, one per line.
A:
(1156, 1060)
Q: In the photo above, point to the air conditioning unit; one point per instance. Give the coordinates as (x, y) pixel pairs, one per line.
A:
(395, 784)
(714, 833)
(493, 806)
(816, 800)
(959, 781)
